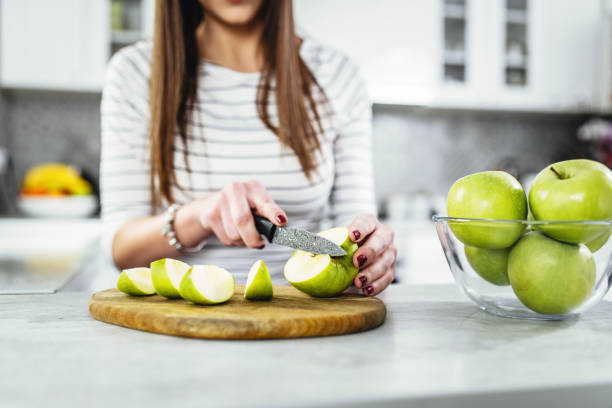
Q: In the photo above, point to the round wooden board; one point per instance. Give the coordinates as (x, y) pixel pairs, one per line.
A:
(289, 314)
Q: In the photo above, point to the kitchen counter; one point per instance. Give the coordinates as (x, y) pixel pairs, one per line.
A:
(435, 349)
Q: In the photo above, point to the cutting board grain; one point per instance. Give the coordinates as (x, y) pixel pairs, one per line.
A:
(289, 314)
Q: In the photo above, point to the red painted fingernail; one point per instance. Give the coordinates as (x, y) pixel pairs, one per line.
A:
(370, 289)
(363, 280)
(356, 234)
(281, 219)
(361, 260)
(262, 247)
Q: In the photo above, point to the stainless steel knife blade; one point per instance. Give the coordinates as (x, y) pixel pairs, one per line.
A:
(306, 241)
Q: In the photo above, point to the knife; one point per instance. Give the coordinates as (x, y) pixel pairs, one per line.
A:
(296, 238)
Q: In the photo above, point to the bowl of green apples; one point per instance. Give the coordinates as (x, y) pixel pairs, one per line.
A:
(545, 256)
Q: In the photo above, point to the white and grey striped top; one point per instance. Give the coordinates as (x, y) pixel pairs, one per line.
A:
(227, 142)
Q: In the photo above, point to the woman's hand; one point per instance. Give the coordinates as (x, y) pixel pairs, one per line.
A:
(376, 255)
(227, 214)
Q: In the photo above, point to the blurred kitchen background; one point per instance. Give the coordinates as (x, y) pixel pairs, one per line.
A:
(458, 86)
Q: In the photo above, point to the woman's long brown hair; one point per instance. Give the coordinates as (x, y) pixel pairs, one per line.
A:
(174, 79)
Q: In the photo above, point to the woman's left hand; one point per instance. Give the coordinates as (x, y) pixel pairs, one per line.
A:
(376, 255)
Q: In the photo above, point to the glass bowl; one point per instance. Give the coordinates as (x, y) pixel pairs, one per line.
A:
(545, 272)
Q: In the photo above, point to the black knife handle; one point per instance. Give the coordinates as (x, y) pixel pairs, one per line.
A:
(265, 227)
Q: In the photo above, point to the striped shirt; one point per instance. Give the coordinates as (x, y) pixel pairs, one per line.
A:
(227, 141)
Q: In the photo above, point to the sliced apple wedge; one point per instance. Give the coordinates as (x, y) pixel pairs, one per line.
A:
(136, 282)
(258, 285)
(323, 275)
(207, 285)
(167, 274)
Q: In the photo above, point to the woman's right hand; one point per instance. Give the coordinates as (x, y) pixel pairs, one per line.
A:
(228, 213)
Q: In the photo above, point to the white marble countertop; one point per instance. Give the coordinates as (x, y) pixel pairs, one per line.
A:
(435, 349)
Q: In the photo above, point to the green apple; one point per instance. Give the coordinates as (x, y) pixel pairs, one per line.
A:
(548, 276)
(596, 244)
(490, 194)
(207, 285)
(323, 275)
(490, 264)
(136, 282)
(572, 190)
(167, 274)
(258, 285)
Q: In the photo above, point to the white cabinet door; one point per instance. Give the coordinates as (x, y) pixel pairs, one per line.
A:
(396, 43)
(483, 59)
(399, 46)
(60, 44)
(565, 55)
(148, 18)
(564, 62)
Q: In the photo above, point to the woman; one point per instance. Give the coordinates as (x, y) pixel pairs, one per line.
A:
(226, 111)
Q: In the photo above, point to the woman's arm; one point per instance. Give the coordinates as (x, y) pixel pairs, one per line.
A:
(353, 190)
(124, 161)
(226, 214)
(139, 241)
(352, 197)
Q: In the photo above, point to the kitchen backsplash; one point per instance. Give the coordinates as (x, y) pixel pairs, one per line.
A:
(426, 150)
(415, 149)
(52, 126)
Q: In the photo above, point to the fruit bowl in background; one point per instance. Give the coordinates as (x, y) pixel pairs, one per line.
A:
(58, 206)
(56, 190)
(561, 280)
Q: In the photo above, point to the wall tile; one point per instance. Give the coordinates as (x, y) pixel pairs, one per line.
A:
(414, 149)
(53, 126)
(427, 150)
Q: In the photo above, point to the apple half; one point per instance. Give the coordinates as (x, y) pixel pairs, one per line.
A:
(258, 285)
(322, 275)
(136, 282)
(167, 274)
(207, 285)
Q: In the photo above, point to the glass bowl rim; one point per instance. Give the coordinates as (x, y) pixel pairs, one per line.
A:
(439, 218)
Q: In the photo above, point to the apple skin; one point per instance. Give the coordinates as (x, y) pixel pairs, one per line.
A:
(162, 283)
(189, 291)
(548, 276)
(339, 273)
(572, 190)
(596, 244)
(128, 284)
(490, 194)
(259, 286)
(490, 264)
(333, 281)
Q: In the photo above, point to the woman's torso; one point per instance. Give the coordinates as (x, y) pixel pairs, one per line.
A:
(227, 141)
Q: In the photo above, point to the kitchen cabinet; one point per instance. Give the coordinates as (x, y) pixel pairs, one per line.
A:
(53, 44)
(395, 43)
(66, 44)
(131, 20)
(541, 55)
(564, 57)
(439, 53)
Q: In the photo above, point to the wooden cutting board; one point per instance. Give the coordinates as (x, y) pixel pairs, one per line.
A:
(289, 314)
